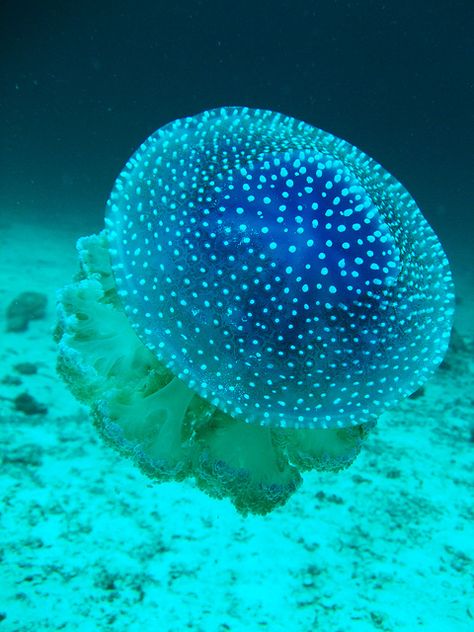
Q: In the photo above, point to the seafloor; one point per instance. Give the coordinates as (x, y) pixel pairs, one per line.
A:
(88, 543)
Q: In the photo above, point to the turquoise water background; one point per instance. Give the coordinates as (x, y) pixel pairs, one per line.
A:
(86, 541)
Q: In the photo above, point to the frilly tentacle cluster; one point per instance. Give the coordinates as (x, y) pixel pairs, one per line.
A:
(151, 416)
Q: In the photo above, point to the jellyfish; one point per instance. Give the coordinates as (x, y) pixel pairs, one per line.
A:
(261, 293)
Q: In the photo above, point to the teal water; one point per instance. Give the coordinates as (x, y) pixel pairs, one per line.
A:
(89, 541)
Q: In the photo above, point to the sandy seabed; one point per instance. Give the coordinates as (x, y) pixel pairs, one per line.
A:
(89, 543)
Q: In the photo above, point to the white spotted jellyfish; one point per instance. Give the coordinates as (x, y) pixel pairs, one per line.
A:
(262, 292)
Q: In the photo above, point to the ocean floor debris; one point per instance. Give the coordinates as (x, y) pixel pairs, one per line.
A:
(25, 307)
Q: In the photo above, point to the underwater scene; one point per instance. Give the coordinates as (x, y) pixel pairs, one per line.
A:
(237, 315)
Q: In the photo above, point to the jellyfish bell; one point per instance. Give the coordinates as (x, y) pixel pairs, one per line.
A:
(262, 292)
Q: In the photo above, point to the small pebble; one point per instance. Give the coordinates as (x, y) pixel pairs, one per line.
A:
(12, 380)
(418, 393)
(25, 307)
(26, 368)
(28, 405)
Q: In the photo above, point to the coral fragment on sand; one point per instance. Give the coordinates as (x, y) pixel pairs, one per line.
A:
(25, 307)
